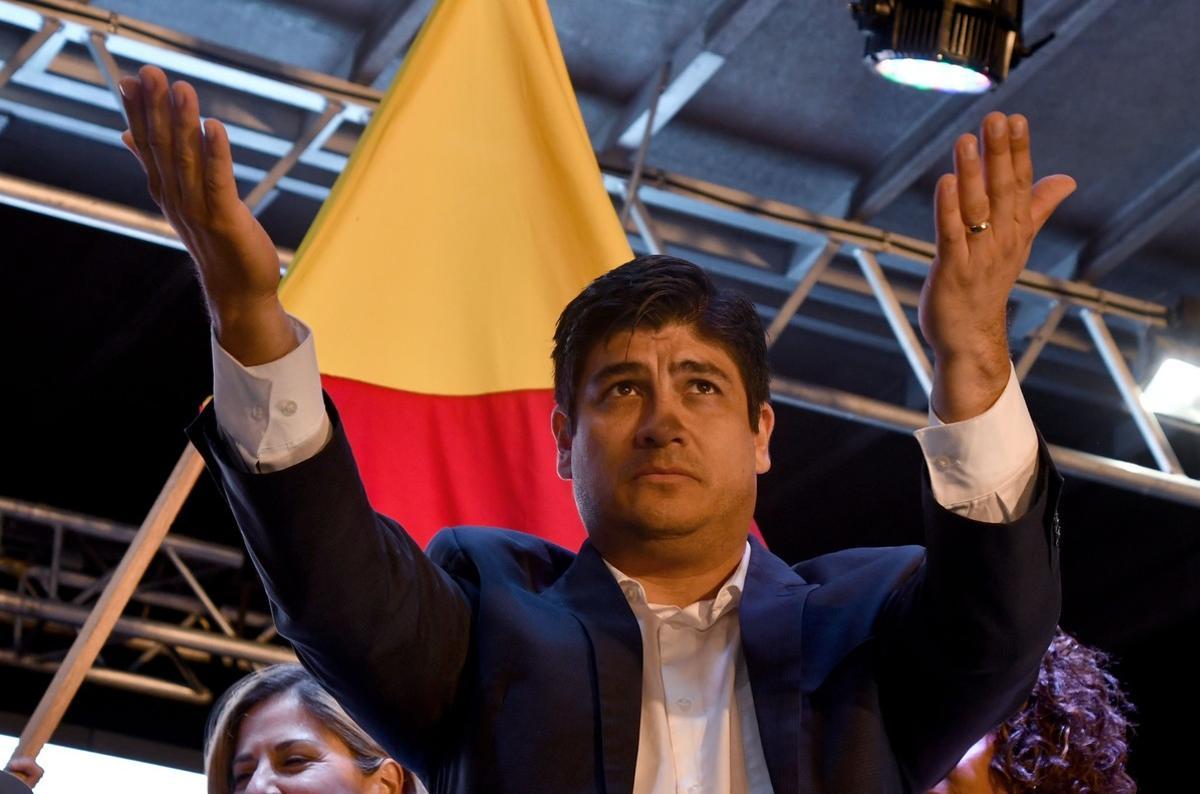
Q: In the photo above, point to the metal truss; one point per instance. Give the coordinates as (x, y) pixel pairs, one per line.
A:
(862, 270)
(391, 34)
(697, 57)
(172, 616)
(64, 76)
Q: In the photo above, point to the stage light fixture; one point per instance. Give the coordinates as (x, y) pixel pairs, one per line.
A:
(1175, 390)
(955, 46)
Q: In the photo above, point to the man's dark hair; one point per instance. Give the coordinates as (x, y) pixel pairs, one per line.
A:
(1071, 734)
(653, 292)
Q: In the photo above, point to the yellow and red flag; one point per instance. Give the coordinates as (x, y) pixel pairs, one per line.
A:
(470, 213)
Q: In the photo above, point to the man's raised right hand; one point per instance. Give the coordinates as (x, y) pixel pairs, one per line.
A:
(189, 172)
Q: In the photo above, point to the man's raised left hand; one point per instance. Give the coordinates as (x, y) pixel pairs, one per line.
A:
(986, 213)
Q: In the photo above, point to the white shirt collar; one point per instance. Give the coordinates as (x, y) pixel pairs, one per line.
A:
(700, 615)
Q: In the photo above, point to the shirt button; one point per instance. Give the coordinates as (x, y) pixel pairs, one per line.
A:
(256, 412)
(942, 462)
(694, 788)
(286, 407)
(685, 704)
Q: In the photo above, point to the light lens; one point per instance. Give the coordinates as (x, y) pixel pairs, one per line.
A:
(933, 75)
(1175, 390)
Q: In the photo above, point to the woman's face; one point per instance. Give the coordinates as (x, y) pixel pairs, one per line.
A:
(282, 749)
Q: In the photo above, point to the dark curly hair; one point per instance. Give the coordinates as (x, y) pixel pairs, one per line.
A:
(1070, 736)
(653, 292)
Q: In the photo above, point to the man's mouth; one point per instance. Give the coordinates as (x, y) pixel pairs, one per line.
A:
(664, 473)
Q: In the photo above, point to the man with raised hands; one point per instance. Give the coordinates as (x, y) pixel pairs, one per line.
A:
(670, 653)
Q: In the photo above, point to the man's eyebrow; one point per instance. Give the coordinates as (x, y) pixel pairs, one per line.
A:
(619, 369)
(700, 368)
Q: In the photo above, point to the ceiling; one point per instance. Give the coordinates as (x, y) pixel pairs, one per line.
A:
(110, 338)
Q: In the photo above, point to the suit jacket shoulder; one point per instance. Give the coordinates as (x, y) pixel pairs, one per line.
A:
(474, 554)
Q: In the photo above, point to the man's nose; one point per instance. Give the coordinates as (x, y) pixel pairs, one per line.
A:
(662, 421)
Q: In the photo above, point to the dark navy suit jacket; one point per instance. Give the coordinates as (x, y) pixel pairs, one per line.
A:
(500, 662)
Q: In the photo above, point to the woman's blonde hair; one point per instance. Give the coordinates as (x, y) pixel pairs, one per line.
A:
(225, 723)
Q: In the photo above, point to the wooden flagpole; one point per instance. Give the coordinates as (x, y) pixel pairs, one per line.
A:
(110, 605)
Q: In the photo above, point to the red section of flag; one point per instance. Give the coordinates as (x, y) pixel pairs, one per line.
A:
(431, 461)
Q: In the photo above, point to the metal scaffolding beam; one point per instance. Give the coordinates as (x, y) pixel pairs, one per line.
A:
(1140, 221)
(165, 633)
(388, 38)
(118, 679)
(866, 410)
(247, 78)
(102, 529)
(97, 213)
(66, 593)
(697, 57)
(735, 209)
(88, 585)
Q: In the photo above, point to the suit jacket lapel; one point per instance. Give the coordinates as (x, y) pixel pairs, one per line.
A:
(589, 591)
(770, 615)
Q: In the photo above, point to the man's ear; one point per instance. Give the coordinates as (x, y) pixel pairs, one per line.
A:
(762, 438)
(560, 424)
(387, 779)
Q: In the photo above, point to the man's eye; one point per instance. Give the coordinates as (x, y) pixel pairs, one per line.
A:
(623, 389)
(705, 387)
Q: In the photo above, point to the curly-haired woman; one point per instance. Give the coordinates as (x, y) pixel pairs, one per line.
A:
(1069, 738)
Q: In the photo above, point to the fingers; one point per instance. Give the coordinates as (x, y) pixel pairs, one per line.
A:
(973, 203)
(127, 139)
(1022, 167)
(1048, 193)
(165, 135)
(138, 143)
(159, 135)
(1001, 189)
(999, 175)
(220, 188)
(948, 219)
(187, 147)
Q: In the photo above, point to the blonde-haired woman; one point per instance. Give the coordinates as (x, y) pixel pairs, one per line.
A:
(278, 731)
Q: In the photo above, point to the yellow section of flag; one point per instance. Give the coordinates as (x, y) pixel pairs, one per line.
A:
(471, 211)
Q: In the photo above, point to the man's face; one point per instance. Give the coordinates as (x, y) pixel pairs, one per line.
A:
(662, 445)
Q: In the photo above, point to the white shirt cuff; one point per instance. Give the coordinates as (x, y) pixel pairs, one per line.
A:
(273, 415)
(984, 468)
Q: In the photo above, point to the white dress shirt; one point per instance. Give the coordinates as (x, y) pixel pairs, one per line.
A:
(698, 730)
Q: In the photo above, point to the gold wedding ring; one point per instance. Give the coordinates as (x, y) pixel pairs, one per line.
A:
(979, 228)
